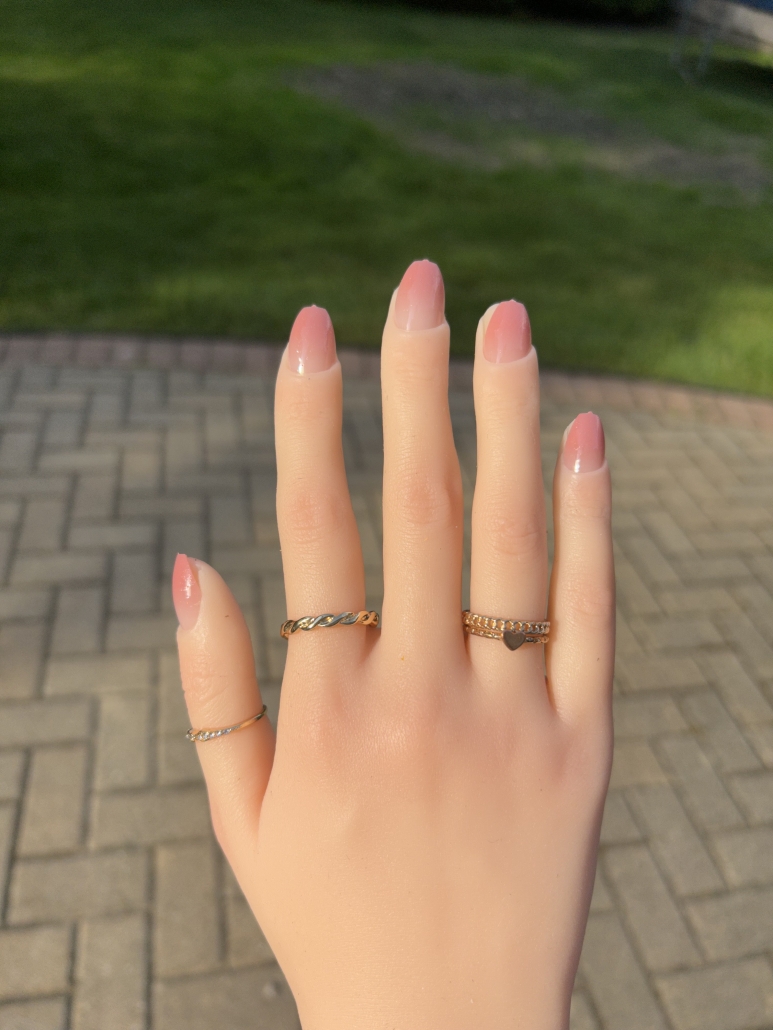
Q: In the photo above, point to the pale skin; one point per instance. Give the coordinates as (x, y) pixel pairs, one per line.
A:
(418, 839)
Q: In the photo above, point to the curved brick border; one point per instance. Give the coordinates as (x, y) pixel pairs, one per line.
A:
(94, 351)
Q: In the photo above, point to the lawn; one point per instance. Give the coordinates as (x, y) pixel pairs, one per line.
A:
(161, 173)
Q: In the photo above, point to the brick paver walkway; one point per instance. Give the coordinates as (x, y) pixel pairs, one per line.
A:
(118, 912)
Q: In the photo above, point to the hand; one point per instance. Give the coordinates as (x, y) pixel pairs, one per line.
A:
(419, 842)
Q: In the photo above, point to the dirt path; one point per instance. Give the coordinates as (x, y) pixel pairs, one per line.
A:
(491, 122)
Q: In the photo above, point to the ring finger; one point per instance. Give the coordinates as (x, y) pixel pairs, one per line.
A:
(509, 542)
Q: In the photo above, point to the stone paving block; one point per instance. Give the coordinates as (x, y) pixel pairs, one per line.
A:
(186, 937)
(256, 998)
(660, 673)
(77, 887)
(98, 674)
(78, 621)
(17, 450)
(134, 587)
(658, 928)
(746, 856)
(53, 810)
(34, 1015)
(6, 537)
(718, 735)
(736, 996)
(618, 826)
(94, 498)
(173, 506)
(730, 926)
(141, 470)
(616, 982)
(43, 524)
(34, 486)
(229, 520)
(761, 739)
(754, 793)
(110, 975)
(81, 460)
(675, 634)
(581, 1015)
(673, 840)
(24, 604)
(741, 695)
(738, 630)
(113, 536)
(246, 945)
(123, 741)
(705, 796)
(10, 513)
(34, 961)
(21, 654)
(173, 715)
(649, 562)
(11, 766)
(43, 722)
(688, 600)
(646, 717)
(7, 827)
(150, 816)
(177, 762)
(127, 632)
(68, 567)
(635, 762)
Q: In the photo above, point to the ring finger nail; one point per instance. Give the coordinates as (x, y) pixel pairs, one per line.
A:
(312, 346)
(421, 298)
(584, 445)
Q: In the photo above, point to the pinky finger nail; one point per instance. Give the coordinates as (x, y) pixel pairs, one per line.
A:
(583, 449)
(186, 592)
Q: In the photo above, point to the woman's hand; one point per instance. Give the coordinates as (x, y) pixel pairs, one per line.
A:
(419, 843)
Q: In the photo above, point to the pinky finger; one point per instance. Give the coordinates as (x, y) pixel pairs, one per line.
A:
(580, 657)
(218, 678)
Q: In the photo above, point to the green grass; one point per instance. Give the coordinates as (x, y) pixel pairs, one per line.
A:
(157, 176)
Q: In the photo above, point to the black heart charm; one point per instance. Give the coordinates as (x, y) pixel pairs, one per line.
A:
(513, 639)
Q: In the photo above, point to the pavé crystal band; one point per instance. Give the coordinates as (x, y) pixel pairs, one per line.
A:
(326, 621)
(510, 631)
(200, 735)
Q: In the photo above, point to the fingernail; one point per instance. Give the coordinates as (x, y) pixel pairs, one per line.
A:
(421, 298)
(508, 333)
(312, 346)
(584, 444)
(186, 592)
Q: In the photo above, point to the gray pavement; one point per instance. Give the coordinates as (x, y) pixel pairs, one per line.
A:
(118, 912)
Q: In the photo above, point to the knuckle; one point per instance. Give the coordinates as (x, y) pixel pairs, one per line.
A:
(425, 500)
(309, 515)
(513, 535)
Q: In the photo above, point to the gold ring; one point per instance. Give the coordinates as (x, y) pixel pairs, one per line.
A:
(195, 735)
(511, 632)
(326, 621)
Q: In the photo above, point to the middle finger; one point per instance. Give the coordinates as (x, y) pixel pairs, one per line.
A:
(423, 511)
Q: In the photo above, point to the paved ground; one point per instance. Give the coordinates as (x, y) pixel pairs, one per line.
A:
(118, 912)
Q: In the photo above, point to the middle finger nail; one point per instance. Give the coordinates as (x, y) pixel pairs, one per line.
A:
(421, 298)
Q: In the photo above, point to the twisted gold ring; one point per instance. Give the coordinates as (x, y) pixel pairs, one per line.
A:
(511, 632)
(326, 621)
(194, 735)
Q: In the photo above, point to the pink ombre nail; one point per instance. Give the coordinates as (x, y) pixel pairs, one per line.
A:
(508, 333)
(312, 346)
(186, 592)
(421, 298)
(584, 444)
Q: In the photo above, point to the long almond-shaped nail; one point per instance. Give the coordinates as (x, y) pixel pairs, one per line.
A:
(312, 346)
(186, 592)
(584, 444)
(421, 298)
(508, 333)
